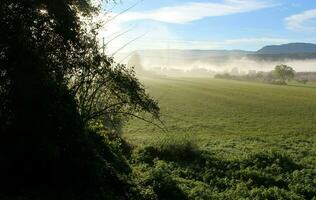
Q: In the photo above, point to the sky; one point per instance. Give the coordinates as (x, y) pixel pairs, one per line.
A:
(207, 24)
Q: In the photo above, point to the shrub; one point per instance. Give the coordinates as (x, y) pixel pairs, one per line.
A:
(169, 147)
(304, 183)
(272, 161)
(157, 182)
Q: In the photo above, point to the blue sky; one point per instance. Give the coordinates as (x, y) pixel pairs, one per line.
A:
(210, 24)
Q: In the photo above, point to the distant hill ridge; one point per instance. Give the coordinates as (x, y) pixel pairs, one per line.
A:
(291, 48)
(184, 57)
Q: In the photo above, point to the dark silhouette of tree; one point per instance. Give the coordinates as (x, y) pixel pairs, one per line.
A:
(54, 83)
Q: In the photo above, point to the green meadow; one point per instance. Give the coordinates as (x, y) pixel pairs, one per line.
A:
(231, 114)
(259, 138)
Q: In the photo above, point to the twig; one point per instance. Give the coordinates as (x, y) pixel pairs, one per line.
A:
(124, 11)
(128, 43)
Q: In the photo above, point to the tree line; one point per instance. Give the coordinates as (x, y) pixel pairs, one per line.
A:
(281, 75)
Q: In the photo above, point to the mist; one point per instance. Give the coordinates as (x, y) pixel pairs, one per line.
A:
(208, 63)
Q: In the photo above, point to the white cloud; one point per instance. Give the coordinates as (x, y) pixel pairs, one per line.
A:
(193, 11)
(158, 33)
(298, 22)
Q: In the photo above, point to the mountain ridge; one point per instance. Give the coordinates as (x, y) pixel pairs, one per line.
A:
(291, 51)
(290, 48)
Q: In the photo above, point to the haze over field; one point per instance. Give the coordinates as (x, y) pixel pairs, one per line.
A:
(224, 60)
(175, 62)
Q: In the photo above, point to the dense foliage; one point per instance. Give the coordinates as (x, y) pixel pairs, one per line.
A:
(284, 73)
(60, 98)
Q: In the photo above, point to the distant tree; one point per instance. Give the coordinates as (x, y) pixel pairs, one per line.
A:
(284, 73)
(235, 71)
(136, 63)
(302, 80)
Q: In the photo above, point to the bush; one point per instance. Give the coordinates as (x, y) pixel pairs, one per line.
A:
(169, 147)
(271, 161)
(159, 178)
(304, 183)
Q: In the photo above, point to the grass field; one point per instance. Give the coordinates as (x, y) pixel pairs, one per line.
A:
(231, 115)
(259, 139)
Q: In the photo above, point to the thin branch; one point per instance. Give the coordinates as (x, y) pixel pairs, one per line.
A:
(126, 57)
(102, 111)
(128, 43)
(119, 35)
(124, 11)
(118, 32)
(143, 119)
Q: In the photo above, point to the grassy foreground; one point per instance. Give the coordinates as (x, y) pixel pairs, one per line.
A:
(232, 116)
(228, 140)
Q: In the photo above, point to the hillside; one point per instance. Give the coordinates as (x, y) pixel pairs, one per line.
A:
(285, 50)
(292, 48)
